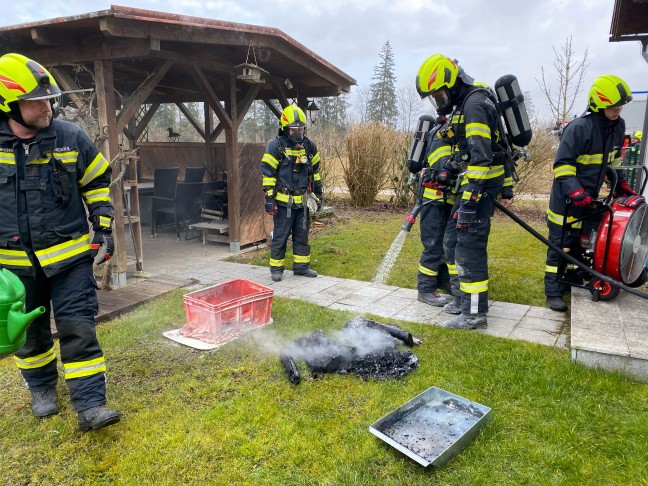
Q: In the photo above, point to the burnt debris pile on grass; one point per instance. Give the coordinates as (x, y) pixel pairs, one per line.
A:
(364, 347)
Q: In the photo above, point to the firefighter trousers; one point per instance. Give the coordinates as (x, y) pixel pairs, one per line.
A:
(72, 295)
(471, 256)
(295, 222)
(555, 265)
(432, 270)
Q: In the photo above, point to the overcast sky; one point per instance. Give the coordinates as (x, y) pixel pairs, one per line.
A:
(489, 38)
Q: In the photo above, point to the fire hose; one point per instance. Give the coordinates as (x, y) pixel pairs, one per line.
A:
(567, 256)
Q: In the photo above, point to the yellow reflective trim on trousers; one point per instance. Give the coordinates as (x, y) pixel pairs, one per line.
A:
(98, 166)
(473, 287)
(452, 269)
(481, 173)
(301, 258)
(564, 171)
(478, 130)
(284, 198)
(317, 177)
(556, 218)
(270, 160)
(551, 269)
(590, 159)
(37, 361)
(277, 263)
(63, 251)
(97, 195)
(80, 369)
(427, 271)
(432, 194)
(16, 258)
(443, 151)
(316, 158)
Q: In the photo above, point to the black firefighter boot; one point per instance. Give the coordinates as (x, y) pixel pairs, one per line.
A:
(432, 298)
(276, 275)
(556, 304)
(44, 403)
(97, 417)
(470, 321)
(307, 272)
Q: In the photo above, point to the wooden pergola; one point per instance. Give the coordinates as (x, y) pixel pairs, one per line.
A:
(151, 58)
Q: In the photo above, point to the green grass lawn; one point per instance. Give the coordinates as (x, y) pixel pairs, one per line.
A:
(231, 416)
(353, 247)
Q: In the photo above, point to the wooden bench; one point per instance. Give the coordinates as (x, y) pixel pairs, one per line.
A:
(213, 231)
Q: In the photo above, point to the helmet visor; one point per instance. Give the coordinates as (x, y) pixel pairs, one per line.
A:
(440, 100)
(296, 133)
(41, 93)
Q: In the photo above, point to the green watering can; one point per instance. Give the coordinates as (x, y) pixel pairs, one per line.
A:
(13, 319)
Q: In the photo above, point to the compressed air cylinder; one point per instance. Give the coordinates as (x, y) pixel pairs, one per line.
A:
(415, 159)
(511, 101)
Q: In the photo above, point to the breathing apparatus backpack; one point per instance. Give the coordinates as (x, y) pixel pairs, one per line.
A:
(416, 156)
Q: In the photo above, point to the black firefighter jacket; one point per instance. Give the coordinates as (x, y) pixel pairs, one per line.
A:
(44, 184)
(290, 171)
(588, 146)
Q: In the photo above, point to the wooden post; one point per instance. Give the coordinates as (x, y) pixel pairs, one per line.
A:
(209, 153)
(109, 147)
(233, 168)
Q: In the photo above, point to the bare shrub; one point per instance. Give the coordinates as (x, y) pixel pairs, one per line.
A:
(536, 176)
(372, 149)
(404, 193)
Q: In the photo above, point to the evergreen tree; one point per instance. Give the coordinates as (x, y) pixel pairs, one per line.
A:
(381, 107)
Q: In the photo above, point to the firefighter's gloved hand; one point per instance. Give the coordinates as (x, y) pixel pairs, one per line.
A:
(320, 201)
(580, 198)
(102, 238)
(624, 189)
(466, 214)
(270, 206)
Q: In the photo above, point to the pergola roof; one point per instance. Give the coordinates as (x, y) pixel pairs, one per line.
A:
(629, 20)
(139, 41)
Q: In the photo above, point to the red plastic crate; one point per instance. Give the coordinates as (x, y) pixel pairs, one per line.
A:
(222, 312)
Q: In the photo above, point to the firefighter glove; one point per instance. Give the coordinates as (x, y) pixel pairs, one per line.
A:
(466, 214)
(102, 238)
(507, 192)
(580, 198)
(320, 201)
(624, 189)
(270, 206)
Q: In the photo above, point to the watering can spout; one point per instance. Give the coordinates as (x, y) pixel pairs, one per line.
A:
(18, 320)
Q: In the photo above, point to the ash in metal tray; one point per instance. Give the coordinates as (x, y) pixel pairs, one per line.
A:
(364, 347)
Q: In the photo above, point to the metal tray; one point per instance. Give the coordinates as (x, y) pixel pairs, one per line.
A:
(432, 427)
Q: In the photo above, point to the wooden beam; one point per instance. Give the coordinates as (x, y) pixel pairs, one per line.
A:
(109, 50)
(190, 60)
(211, 98)
(217, 131)
(233, 170)
(110, 148)
(191, 119)
(45, 37)
(140, 95)
(209, 154)
(273, 108)
(279, 91)
(141, 126)
(68, 84)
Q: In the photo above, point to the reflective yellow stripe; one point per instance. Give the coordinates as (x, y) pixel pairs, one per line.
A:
(317, 177)
(591, 159)
(564, 171)
(16, 258)
(63, 251)
(39, 161)
(98, 166)
(104, 221)
(478, 130)
(301, 258)
(456, 119)
(296, 152)
(452, 269)
(508, 182)
(270, 160)
(35, 361)
(427, 271)
(277, 263)
(316, 158)
(551, 269)
(482, 173)
(67, 157)
(616, 162)
(466, 196)
(443, 151)
(80, 369)
(432, 194)
(7, 158)
(270, 192)
(284, 198)
(269, 181)
(97, 195)
(556, 218)
(474, 287)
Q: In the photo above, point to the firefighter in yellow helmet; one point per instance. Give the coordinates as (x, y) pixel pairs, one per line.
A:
(473, 143)
(589, 146)
(50, 175)
(293, 188)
